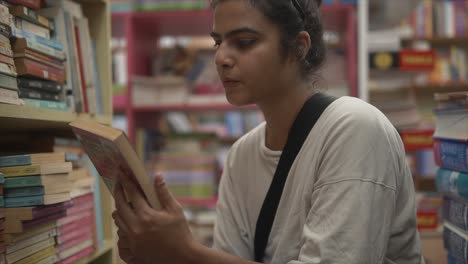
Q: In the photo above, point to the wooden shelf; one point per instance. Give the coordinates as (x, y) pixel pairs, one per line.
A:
(440, 41)
(13, 117)
(107, 247)
(194, 107)
(441, 87)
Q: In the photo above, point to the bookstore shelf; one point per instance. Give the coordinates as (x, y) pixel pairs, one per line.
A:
(107, 248)
(460, 40)
(14, 117)
(192, 107)
(442, 87)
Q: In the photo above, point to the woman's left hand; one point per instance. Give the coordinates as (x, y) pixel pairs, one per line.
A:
(155, 236)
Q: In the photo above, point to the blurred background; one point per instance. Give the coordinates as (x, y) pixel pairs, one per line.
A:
(147, 67)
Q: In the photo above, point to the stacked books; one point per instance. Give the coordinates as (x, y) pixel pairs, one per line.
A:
(49, 214)
(39, 59)
(451, 152)
(8, 85)
(2, 222)
(49, 48)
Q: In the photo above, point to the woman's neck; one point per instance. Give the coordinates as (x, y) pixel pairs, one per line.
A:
(280, 114)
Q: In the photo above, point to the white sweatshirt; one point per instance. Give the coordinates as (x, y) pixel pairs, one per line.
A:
(349, 197)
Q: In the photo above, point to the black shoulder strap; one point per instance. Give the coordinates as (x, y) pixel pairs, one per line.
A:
(301, 127)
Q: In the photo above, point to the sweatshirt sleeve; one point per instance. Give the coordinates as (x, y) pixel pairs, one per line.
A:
(354, 199)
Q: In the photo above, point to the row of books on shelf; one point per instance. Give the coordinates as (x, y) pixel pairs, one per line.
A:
(50, 207)
(451, 152)
(450, 66)
(440, 18)
(119, 6)
(47, 57)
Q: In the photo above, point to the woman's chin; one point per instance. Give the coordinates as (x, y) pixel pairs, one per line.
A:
(238, 101)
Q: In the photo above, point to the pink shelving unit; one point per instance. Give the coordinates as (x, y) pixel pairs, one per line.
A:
(141, 31)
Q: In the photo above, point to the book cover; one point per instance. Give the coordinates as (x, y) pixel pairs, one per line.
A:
(74, 250)
(38, 257)
(40, 58)
(38, 95)
(29, 213)
(28, 251)
(34, 4)
(31, 241)
(113, 156)
(16, 238)
(8, 69)
(81, 254)
(24, 192)
(7, 81)
(45, 104)
(85, 230)
(7, 60)
(20, 44)
(40, 85)
(451, 154)
(37, 200)
(455, 242)
(33, 28)
(25, 66)
(31, 16)
(455, 182)
(16, 171)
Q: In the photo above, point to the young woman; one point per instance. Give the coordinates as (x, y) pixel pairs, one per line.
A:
(349, 196)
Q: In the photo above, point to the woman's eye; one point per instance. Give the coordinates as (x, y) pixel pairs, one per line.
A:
(216, 44)
(245, 43)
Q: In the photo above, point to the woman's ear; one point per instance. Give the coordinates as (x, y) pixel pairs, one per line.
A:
(303, 44)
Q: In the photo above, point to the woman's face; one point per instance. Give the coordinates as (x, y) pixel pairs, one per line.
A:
(248, 56)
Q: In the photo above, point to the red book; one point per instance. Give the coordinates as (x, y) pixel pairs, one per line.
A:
(25, 66)
(78, 208)
(80, 62)
(33, 4)
(83, 230)
(70, 227)
(7, 60)
(74, 241)
(41, 58)
(417, 139)
(417, 60)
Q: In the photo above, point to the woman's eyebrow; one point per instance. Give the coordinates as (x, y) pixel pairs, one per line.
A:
(234, 32)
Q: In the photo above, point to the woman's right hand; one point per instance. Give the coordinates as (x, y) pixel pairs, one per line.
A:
(124, 248)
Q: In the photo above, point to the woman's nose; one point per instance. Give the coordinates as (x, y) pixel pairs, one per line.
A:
(223, 58)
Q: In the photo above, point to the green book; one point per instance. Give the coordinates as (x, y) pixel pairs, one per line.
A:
(18, 160)
(44, 104)
(24, 201)
(25, 181)
(24, 191)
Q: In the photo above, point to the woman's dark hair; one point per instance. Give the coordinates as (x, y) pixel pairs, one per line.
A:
(292, 17)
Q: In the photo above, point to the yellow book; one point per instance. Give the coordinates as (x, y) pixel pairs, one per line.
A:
(38, 256)
(16, 171)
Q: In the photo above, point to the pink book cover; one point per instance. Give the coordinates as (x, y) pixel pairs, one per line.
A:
(83, 198)
(86, 206)
(72, 218)
(65, 237)
(70, 227)
(74, 241)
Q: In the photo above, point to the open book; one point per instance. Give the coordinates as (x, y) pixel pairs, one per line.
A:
(113, 156)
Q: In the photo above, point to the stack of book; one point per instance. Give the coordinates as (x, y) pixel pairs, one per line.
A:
(2, 223)
(37, 57)
(8, 86)
(451, 152)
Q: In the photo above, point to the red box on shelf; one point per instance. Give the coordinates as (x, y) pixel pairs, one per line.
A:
(417, 139)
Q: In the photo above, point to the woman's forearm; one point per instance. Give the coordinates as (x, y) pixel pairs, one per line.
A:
(199, 254)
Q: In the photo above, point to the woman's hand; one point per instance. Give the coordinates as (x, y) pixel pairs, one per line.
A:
(149, 235)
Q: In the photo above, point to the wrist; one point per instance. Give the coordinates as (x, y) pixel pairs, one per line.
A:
(193, 253)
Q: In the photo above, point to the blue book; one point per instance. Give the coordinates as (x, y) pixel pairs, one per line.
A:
(44, 41)
(455, 242)
(451, 154)
(24, 192)
(454, 182)
(455, 211)
(24, 181)
(17, 160)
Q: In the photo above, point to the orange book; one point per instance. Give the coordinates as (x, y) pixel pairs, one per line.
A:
(25, 66)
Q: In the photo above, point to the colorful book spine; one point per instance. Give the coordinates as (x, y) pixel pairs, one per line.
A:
(455, 242)
(60, 106)
(8, 82)
(16, 171)
(83, 230)
(40, 85)
(451, 154)
(40, 221)
(20, 254)
(24, 192)
(455, 211)
(30, 67)
(34, 4)
(38, 95)
(31, 16)
(454, 182)
(35, 38)
(24, 201)
(31, 241)
(25, 181)
(25, 25)
(43, 211)
(19, 160)
(39, 47)
(39, 256)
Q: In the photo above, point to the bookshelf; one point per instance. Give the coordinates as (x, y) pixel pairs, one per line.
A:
(19, 120)
(141, 31)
